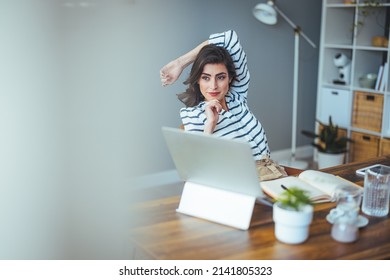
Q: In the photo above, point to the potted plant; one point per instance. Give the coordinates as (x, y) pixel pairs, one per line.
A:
(292, 214)
(366, 8)
(331, 146)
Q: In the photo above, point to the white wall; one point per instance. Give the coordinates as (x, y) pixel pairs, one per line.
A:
(61, 192)
(81, 107)
(31, 141)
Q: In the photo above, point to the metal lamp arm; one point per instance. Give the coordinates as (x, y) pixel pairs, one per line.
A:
(294, 26)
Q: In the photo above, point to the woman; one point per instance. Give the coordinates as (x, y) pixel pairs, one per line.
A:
(216, 97)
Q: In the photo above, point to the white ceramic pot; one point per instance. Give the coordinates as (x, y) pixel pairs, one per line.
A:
(327, 160)
(291, 226)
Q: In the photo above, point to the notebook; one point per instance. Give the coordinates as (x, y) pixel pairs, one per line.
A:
(220, 174)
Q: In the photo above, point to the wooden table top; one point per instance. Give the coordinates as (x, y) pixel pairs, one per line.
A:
(161, 233)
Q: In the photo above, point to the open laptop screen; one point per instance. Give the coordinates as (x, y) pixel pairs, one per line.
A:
(213, 161)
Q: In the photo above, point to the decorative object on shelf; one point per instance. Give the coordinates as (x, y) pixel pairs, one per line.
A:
(366, 10)
(292, 214)
(368, 80)
(267, 13)
(380, 41)
(343, 64)
(331, 146)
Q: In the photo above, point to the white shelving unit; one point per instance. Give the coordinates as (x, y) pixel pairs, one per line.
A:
(348, 29)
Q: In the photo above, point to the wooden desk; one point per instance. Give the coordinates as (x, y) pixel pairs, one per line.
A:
(161, 233)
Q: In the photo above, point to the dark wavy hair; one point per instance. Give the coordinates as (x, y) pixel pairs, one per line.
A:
(209, 54)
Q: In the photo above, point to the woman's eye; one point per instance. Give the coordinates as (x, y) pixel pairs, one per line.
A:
(206, 78)
(221, 78)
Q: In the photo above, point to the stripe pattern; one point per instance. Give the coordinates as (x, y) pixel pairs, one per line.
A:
(237, 123)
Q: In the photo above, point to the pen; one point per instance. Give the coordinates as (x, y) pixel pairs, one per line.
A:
(287, 189)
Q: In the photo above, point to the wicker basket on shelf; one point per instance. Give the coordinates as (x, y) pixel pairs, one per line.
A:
(384, 147)
(364, 146)
(367, 111)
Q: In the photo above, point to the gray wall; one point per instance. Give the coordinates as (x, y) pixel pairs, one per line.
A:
(81, 107)
(270, 54)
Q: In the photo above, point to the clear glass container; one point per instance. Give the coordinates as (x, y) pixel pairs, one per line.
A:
(345, 228)
(376, 192)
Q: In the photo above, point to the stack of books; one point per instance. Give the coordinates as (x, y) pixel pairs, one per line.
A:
(381, 80)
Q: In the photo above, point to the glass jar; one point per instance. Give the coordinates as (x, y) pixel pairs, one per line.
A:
(345, 228)
(376, 192)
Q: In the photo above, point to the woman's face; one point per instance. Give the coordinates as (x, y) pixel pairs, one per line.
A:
(214, 82)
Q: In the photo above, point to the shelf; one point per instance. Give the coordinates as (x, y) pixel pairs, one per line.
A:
(338, 46)
(339, 31)
(341, 4)
(371, 48)
(365, 131)
(346, 30)
(335, 86)
(357, 47)
(370, 90)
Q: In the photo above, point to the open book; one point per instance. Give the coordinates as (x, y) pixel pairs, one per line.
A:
(320, 186)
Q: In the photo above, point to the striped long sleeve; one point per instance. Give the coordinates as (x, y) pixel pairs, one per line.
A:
(238, 122)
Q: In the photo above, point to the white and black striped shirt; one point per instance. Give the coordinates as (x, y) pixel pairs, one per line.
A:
(238, 122)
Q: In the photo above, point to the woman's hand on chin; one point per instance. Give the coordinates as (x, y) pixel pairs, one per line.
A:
(212, 110)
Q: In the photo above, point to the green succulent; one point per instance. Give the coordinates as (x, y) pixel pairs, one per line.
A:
(294, 198)
(330, 141)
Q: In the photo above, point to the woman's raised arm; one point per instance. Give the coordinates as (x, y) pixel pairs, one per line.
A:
(172, 71)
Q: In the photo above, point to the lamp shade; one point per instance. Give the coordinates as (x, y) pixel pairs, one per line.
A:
(265, 13)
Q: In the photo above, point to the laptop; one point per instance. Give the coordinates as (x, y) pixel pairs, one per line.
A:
(221, 180)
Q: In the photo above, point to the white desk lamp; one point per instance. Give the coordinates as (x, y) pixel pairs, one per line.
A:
(267, 13)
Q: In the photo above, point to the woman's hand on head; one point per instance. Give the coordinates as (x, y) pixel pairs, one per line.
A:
(170, 72)
(212, 110)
